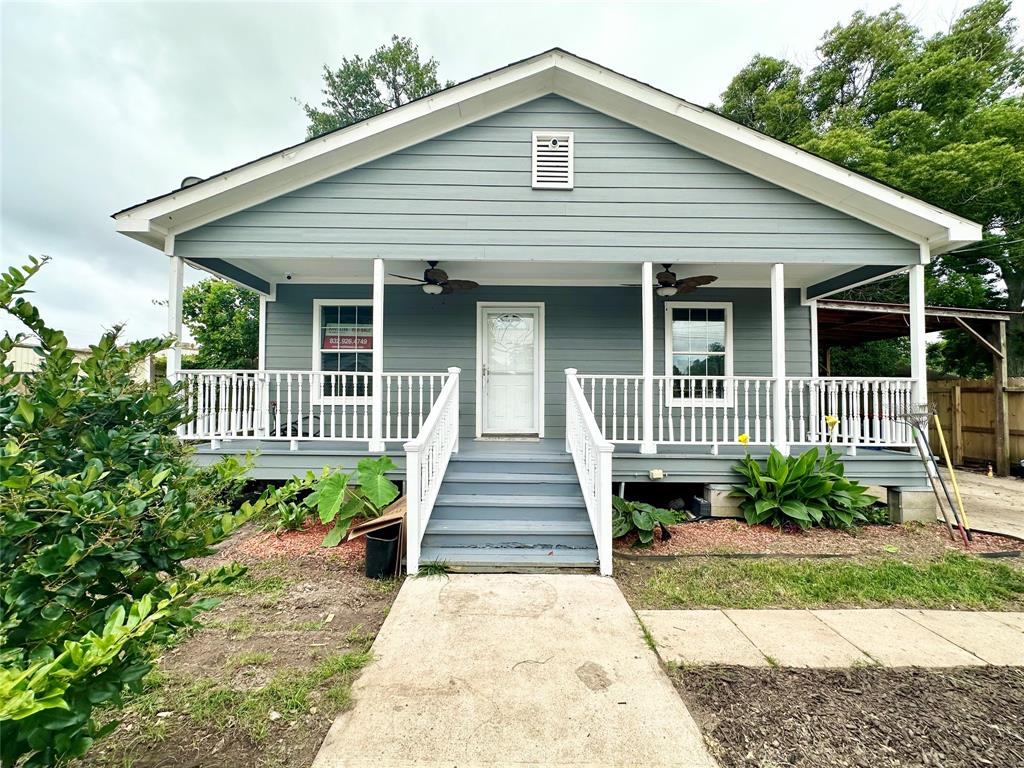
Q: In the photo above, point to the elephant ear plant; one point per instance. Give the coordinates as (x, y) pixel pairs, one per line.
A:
(338, 502)
(806, 490)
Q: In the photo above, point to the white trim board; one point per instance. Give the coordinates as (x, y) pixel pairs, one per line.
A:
(539, 353)
(552, 72)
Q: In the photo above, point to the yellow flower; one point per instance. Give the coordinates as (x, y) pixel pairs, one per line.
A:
(744, 438)
(831, 422)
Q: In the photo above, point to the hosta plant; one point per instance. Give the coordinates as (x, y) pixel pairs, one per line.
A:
(629, 516)
(806, 490)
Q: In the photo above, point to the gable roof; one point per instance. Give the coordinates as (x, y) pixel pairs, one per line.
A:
(552, 72)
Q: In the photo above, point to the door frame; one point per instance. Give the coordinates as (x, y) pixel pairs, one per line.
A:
(538, 352)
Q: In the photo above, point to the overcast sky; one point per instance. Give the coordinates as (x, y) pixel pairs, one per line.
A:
(105, 105)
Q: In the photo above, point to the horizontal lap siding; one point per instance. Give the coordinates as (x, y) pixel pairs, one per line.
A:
(467, 194)
(596, 330)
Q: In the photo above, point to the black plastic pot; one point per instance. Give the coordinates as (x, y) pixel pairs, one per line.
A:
(381, 552)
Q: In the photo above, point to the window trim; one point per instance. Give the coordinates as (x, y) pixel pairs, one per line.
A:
(670, 398)
(318, 396)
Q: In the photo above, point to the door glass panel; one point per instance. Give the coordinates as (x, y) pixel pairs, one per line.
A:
(511, 338)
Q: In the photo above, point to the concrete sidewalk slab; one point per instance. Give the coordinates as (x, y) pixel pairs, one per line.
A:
(978, 633)
(700, 637)
(1013, 619)
(796, 639)
(503, 670)
(894, 640)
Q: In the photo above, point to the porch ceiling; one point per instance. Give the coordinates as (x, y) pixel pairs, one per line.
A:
(320, 270)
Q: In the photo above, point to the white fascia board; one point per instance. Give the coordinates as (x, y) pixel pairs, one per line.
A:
(339, 151)
(761, 155)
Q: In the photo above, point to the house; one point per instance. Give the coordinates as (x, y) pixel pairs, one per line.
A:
(538, 283)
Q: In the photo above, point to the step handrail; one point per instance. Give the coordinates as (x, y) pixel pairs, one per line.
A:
(592, 455)
(426, 459)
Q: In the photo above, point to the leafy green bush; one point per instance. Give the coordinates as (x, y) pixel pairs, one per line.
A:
(629, 516)
(807, 490)
(100, 508)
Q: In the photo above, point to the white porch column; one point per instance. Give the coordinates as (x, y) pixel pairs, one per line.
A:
(175, 288)
(918, 346)
(647, 311)
(780, 437)
(377, 378)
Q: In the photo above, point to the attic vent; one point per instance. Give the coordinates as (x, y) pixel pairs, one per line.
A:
(552, 160)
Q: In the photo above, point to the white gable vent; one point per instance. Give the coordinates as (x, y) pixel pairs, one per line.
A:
(552, 159)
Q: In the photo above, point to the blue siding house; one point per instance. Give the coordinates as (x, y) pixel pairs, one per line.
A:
(534, 285)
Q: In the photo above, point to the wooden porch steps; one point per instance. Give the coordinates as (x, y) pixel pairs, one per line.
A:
(510, 509)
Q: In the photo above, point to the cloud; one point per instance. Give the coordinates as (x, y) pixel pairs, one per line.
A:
(105, 105)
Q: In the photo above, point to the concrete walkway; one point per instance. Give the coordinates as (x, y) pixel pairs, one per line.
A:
(506, 670)
(838, 638)
(994, 504)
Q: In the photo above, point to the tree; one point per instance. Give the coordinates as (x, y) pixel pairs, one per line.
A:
(224, 321)
(939, 118)
(360, 88)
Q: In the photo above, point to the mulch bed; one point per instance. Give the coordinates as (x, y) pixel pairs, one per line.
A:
(308, 541)
(882, 718)
(735, 536)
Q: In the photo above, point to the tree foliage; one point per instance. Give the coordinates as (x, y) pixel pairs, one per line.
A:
(940, 118)
(391, 76)
(99, 510)
(224, 319)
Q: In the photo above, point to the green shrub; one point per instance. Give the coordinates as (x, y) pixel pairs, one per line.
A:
(804, 490)
(629, 516)
(100, 508)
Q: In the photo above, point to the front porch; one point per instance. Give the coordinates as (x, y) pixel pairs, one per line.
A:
(555, 366)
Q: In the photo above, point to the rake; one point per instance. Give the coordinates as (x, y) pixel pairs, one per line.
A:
(918, 421)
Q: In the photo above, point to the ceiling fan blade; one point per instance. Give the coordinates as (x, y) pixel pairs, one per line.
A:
(681, 289)
(696, 281)
(460, 285)
(414, 279)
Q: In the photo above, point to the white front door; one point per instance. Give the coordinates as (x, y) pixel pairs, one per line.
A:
(510, 369)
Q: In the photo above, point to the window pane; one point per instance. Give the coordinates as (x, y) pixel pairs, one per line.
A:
(716, 335)
(346, 328)
(680, 330)
(716, 365)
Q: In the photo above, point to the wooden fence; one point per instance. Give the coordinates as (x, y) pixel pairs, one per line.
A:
(967, 408)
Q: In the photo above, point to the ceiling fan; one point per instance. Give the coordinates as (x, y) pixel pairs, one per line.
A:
(668, 285)
(435, 280)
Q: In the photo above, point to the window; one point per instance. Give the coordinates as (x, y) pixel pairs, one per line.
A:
(552, 159)
(698, 344)
(343, 343)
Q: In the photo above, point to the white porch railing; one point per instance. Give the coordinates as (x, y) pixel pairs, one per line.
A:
(305, 405)
(592, 455)
(716, 410)
(698, 410)
(426, 459)
(868, 410)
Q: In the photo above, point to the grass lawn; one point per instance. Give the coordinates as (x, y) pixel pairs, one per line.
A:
(951, 581)
(262, 681)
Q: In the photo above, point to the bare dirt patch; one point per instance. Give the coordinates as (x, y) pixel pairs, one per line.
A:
(261, 682)
(736, 537)
(883, 718)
